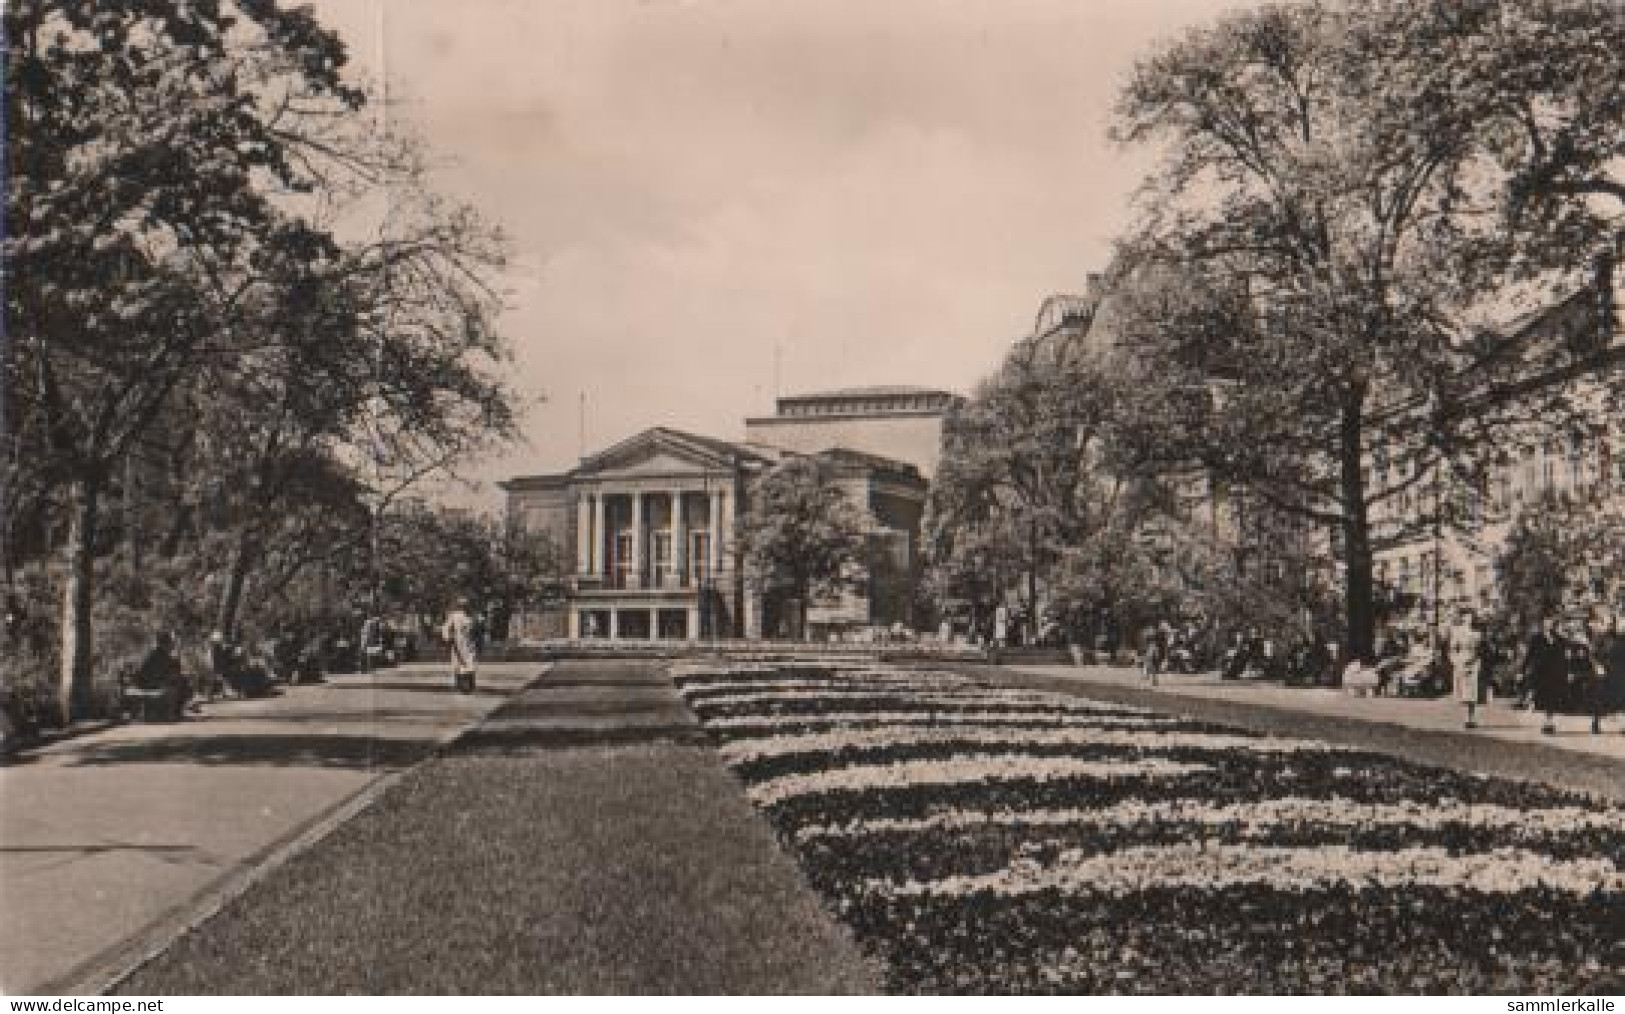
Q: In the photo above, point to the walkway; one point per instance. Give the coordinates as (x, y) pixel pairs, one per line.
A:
(107, 839)
(1508, 741)
(584, 840)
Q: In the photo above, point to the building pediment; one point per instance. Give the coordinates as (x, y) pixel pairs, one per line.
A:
(661, 451)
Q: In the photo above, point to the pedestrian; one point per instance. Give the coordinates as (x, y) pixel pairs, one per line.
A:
(16, 617)
(458, 631)
(1610, 655)
(1151, 652)
(1237, 659)
(371, 649)
(1590, 668)
(1582, 669)
(1463, 653)
(160, 671)
(1545, 672)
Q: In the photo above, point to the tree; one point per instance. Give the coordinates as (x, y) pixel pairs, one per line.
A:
(384, 358)
(1555, 548)
(144, 144)
(803, 534)
(1036, 473)
(1349, 193)
(177, 174)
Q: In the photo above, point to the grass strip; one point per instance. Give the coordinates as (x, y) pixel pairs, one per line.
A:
(558, 866)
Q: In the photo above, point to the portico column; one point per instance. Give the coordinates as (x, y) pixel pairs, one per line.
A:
(676, 538)
(726, 532)
(614, 624)
(713, 505)
(637, 540)
(583, 535)
(596, 550)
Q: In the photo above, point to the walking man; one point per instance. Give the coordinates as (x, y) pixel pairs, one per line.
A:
(458, 631)
(1545, 670)
(1465, 664)
(1151, 652)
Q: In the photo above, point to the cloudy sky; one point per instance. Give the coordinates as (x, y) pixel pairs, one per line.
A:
(859, 191)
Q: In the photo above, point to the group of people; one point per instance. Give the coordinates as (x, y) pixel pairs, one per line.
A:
(1567, 666)
(1193, 648)
(232, 670)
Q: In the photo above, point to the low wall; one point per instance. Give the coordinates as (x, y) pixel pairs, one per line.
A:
(746, 650)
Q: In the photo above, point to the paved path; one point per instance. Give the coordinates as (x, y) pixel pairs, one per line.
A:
(1500, 721)
(105, 838)
(1508, 741)
(586, 839)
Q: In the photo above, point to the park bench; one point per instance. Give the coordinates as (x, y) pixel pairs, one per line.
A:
(149, 704)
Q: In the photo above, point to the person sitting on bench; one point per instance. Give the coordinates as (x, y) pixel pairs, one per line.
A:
(160, 673)
(231, 668)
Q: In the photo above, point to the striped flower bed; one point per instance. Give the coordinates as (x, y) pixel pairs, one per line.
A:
(982, 839)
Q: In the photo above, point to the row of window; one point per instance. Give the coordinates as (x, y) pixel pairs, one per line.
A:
(851, 407)
(1512, 486)
(695, 567)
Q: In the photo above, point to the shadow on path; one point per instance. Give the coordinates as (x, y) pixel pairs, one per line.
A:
(610, 707)
(425, 687)
(528, 738)
(86, 849)
(276, 750)
(584, 684)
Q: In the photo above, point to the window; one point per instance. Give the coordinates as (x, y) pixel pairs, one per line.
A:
(622, 564)
(660, 556)
(1503, 490)
(699, 556)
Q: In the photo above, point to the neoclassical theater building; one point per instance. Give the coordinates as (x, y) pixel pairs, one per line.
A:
(651, 520)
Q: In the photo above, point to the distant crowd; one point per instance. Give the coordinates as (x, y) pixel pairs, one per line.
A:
(1570, 664)
(169, 683)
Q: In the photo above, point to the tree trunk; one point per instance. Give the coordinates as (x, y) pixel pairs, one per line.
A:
(78, 598)
(1032, 582)
(1359, 611)
(242, 562)
(132, 515)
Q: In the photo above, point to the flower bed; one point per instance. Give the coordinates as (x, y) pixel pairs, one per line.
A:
(982, 839)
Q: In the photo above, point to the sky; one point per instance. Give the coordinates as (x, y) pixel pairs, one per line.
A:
(711, 202)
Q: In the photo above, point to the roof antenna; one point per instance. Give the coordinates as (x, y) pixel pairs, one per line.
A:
(581, 428)
(778, 356)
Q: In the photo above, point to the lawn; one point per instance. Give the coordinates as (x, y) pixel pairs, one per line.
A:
(579, 854)
(987, 839)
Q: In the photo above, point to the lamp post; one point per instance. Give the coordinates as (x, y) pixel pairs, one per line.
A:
(1438, 557)
(707, 587)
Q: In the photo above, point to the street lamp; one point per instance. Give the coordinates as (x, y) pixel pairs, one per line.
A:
(707, 588)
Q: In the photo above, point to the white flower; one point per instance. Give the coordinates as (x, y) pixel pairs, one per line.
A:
(1258, 820)
(968, 769)
(974, 735)
(1212, 867)
(929, 716)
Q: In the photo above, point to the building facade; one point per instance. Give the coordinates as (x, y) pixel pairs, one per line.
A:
(1439, 539)
(900, 423)
(652, 521)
